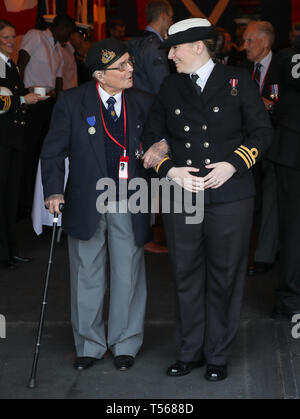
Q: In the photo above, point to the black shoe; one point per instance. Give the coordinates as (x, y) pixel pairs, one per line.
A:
(259, 268)
(216, 372)
(20, 259)
(183, 368)
(9, 265)
(123, 362)
(84, 362)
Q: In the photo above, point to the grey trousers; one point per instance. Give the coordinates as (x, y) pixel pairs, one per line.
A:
(88, 268)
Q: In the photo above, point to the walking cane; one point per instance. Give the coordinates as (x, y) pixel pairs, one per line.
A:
(32, 382)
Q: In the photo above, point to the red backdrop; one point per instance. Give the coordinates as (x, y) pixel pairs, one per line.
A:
(295, 11)
(141, 6)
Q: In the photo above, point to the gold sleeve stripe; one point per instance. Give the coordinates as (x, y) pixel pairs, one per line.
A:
(249, 158)
(7, 102)
(253, 152)
(244, 158)
(247, 152)
(161, 162)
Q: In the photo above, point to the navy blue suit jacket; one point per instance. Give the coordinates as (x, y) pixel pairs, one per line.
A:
(69, 137)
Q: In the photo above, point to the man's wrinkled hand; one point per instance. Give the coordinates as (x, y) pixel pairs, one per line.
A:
(53, 202)
(155, 154)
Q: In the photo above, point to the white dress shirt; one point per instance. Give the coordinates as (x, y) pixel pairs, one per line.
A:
(265, 63)
(204, 72)
(46, 60)
(104, 96)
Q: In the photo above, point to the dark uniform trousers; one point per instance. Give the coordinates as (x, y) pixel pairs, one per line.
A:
(203, 273)
(12, 131)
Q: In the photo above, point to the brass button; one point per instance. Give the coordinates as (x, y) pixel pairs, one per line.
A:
(15, 121)
(186, 128)
(206, 144)
(189, 162)
(188, 145)
(204, 127)
(23, 122)
(23, 111)
(177, 111)
(207, 161)
(216, 109)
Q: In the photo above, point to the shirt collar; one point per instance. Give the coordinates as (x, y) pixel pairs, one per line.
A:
(150, 29)
(205, 71)
(104, 95)
(265, 62)
(4, 57)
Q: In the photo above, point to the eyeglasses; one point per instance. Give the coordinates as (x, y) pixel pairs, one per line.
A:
(123, 65)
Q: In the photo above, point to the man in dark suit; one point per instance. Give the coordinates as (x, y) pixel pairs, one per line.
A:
(285, 153)
(216, 126)
(14, 97)
(259, 37)
(98, 127)
(151, 63)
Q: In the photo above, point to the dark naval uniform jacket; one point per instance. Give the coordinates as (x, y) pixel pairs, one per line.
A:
(12, 122)
(215, 126)
(69, 136)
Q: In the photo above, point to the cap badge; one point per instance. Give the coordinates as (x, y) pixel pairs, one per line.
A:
(107, 56)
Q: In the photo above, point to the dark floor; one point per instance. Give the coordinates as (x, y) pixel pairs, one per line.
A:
(265, 362)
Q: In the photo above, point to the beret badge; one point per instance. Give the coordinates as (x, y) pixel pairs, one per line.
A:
(107, 56)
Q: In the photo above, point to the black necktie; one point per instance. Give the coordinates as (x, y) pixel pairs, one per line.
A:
(257, 73)
(111, 108)
(194, 78)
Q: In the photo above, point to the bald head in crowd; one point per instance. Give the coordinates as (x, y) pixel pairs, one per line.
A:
(258, 38)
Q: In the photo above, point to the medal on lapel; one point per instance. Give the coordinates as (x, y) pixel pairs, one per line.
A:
(233, 84)
(91, 120)
(139, 153)
(274, 92)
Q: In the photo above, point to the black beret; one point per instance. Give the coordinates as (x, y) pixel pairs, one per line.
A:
(103, 53)
(189, 30)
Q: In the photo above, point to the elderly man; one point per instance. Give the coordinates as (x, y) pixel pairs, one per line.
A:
(258, 40)
(98, 126)
(217, 127)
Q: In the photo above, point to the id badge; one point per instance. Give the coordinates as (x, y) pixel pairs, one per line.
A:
(123, 167)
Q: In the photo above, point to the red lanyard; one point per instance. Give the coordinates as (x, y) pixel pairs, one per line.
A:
(105, 127)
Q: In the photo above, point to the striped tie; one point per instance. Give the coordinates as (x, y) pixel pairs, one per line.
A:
(257, 73)
(111, 108)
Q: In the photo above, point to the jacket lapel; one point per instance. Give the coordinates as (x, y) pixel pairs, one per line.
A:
(215, 81)
(91, 108)
(134, 126)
